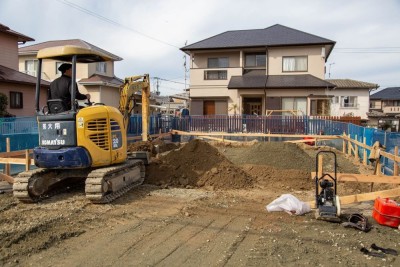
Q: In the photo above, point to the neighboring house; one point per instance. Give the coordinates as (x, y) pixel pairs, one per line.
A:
(18, 87)
(385, 109)
(351, 98)
(256, 71)
(97, 79)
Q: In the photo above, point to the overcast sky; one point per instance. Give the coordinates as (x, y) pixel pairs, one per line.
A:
(147, 34)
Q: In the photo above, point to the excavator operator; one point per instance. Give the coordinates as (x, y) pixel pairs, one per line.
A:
(60, 88)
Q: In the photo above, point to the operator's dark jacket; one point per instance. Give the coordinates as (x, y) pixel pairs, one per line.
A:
(60, 88)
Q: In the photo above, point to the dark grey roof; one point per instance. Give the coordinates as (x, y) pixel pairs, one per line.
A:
(276, 35)
(8, 75)
(390, 93)
(277, 81)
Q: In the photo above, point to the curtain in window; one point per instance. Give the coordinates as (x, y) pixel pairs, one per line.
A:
(289, 64)
(301, 63)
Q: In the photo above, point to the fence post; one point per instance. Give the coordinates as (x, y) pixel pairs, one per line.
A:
(356, 149)
(7, 165)
(27, 160)
(395, 163)
(365, 151)
(344, 144)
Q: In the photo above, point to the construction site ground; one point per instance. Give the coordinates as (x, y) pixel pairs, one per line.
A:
(201, 204)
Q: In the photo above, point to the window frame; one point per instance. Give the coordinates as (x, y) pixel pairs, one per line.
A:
(295, 58)
(255, 60)
(219, 61)
(35, 67)
(354, 104)
(220, 74)
(13, 100)
(100, 68)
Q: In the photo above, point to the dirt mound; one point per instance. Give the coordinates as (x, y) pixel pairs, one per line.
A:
(197, 164)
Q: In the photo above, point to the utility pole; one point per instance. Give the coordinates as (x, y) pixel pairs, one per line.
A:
(185, 66)
(330, 68)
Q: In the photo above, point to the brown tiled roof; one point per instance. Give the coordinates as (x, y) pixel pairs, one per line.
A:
(12, 76)
(353, 84)
(277, 81)
(33, 49)
(96, 79)
(21, 37)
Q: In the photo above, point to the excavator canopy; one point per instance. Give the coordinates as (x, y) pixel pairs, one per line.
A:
(66, 52)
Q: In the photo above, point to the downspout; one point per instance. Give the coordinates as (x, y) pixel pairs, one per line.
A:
(266, 80)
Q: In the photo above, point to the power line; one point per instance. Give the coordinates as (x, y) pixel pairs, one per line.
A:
(157, 78)
(94, 14)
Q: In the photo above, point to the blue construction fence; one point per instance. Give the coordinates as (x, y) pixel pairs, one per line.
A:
(23, 131)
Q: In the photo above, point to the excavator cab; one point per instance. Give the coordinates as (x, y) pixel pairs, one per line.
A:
(88, 144)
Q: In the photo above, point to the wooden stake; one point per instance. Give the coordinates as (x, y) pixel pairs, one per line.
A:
(365, 152)
(356, 150)
(27, 160)
(7, 166)
(396, 164)
(344, 144)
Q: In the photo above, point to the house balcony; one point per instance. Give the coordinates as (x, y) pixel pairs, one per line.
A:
(391, 109)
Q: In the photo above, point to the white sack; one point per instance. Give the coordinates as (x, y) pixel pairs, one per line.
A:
(289, 204)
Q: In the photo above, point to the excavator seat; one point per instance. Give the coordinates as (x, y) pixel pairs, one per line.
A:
(56, 106)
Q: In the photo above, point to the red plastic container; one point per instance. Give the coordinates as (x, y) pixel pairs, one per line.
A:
(386, 212)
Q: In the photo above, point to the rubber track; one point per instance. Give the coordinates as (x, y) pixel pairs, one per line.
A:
(21, 186)
(96, 178)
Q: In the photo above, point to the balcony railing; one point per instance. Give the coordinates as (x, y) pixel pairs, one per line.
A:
(391, 109)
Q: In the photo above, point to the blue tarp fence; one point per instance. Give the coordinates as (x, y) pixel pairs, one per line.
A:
(23, 131)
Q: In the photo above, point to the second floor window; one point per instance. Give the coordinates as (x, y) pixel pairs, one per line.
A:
(255, 60)
(215, 75)
(31, 67)
(101, 67)
(16, 100)
(348, 101)
(290, 64)
(218, 62)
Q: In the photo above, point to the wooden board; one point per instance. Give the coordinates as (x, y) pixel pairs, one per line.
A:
(364, 197)
(218, 139)
(363, 178)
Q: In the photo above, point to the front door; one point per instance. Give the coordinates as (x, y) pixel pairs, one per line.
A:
(252, 106)
(209, 108)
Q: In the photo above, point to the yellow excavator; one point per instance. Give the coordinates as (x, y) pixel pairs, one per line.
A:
(84, 144)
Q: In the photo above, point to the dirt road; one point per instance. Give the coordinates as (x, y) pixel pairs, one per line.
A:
(183, 222)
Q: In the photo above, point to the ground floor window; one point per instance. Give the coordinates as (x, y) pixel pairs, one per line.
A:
(296, 104)
(16, 100)
(320, 107)
(348, 101)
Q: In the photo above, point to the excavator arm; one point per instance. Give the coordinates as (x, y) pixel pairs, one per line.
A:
(131, 86)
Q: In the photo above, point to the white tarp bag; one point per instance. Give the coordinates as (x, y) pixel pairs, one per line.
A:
(289, 204)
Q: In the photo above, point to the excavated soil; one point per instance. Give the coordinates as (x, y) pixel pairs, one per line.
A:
(202, 204)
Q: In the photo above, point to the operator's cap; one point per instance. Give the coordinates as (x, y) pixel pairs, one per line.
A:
(64, 67)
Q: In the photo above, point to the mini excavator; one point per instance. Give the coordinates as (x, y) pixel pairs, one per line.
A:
(84, 144)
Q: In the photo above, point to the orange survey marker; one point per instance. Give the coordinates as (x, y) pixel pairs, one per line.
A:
(386, 212)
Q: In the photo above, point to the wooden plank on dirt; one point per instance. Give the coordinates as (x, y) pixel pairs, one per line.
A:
(319, 137)
(364, 197)
(363, 178)
(218, 139)
(6, 178)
